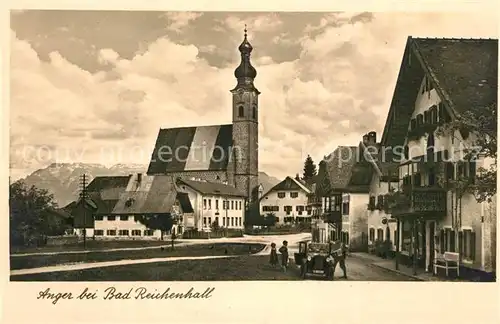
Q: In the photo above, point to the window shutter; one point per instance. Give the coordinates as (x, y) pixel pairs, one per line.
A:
(472, 171)
(427, 119)
(443, 241)
(413, 124)
(452, 241)
(461, 244)
(473, 246)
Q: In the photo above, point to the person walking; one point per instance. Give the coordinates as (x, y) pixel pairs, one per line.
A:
(273, 257)
(340, 259)
(284, 255)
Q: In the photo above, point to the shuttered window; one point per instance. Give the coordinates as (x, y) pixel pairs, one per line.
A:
(441, 241)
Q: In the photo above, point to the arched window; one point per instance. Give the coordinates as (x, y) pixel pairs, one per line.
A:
(254, 112)
(241, 112)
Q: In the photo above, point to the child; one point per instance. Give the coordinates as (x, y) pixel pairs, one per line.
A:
(284, 255)
(273, 257)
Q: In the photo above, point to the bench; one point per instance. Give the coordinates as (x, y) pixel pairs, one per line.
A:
(449, 260)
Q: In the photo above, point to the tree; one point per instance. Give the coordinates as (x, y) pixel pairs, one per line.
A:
(309, 170)
(162, 222)
(270, 219)
(480, 124)
(31, 214)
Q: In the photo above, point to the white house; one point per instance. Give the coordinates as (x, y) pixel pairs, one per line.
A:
(214, 202)
(115, 204)
(288, 201)
(438, 80)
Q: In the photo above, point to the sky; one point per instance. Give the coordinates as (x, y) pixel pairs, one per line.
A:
(96, 86)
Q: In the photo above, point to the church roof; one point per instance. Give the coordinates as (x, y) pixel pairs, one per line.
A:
(200, 148)
(150, 195)
(212, 188)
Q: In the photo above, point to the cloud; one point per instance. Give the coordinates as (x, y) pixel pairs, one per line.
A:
(260, 23)
(337, 87)
(180, 19)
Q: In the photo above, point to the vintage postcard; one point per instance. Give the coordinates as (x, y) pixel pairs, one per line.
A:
(198, 148)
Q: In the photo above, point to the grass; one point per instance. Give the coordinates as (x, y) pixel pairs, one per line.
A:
(92, 245)
(248, 267)
(36, 261)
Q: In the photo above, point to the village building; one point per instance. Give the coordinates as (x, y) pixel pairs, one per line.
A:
(216, 205)
(287, 201)
(440, 79)
(342, 188)
(114, 205)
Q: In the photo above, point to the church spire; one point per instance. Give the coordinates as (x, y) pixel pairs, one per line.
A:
(245, 73)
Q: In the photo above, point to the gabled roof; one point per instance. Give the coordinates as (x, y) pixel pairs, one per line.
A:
(464, 72)
(289, 183)
(212, 188)
(202, 148)
(152, 195)
(107, 182)
(343, 170)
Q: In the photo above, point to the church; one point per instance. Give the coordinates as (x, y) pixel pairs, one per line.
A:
(218, 153)
(202, 175)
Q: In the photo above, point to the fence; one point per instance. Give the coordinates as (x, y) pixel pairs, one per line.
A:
(193, 234)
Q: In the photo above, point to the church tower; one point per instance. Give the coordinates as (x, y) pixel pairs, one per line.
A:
(246, 125)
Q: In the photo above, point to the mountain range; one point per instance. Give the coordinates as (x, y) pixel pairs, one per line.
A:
(63, 180)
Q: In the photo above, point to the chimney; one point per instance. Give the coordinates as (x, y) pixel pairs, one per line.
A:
(372, 138)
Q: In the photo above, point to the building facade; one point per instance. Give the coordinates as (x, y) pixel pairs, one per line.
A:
(342, 188)
(439, 80)
(287, 201)
(215, 205)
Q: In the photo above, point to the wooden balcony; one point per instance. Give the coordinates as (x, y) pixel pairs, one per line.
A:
(332, 216)
(314, 201)
(427, 202)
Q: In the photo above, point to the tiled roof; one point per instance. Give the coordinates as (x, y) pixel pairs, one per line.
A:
(107, 182)
(152, 195)
(289, 183)
(212, 188)
(202, 148)
(343, 170)
(463, 71)
(466, 70)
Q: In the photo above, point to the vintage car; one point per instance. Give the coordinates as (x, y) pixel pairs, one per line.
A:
(317, 258)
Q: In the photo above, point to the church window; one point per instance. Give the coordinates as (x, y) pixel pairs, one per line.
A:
(254, 112)
(241, 112)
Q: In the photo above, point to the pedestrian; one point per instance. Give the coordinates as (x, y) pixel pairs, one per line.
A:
(284, 255)
(340, 259)
(273, 257)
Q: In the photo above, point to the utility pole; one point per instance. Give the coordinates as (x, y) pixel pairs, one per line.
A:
(83, 197)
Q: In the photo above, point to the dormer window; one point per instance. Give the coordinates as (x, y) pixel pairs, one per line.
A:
(241, 112)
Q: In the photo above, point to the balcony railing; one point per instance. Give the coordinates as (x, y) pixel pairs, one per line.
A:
(418, 200)
(314, 201)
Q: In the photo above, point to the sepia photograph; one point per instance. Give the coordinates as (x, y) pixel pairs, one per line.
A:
(252, 146)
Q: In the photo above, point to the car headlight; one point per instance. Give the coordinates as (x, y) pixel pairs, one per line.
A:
(309, 258)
